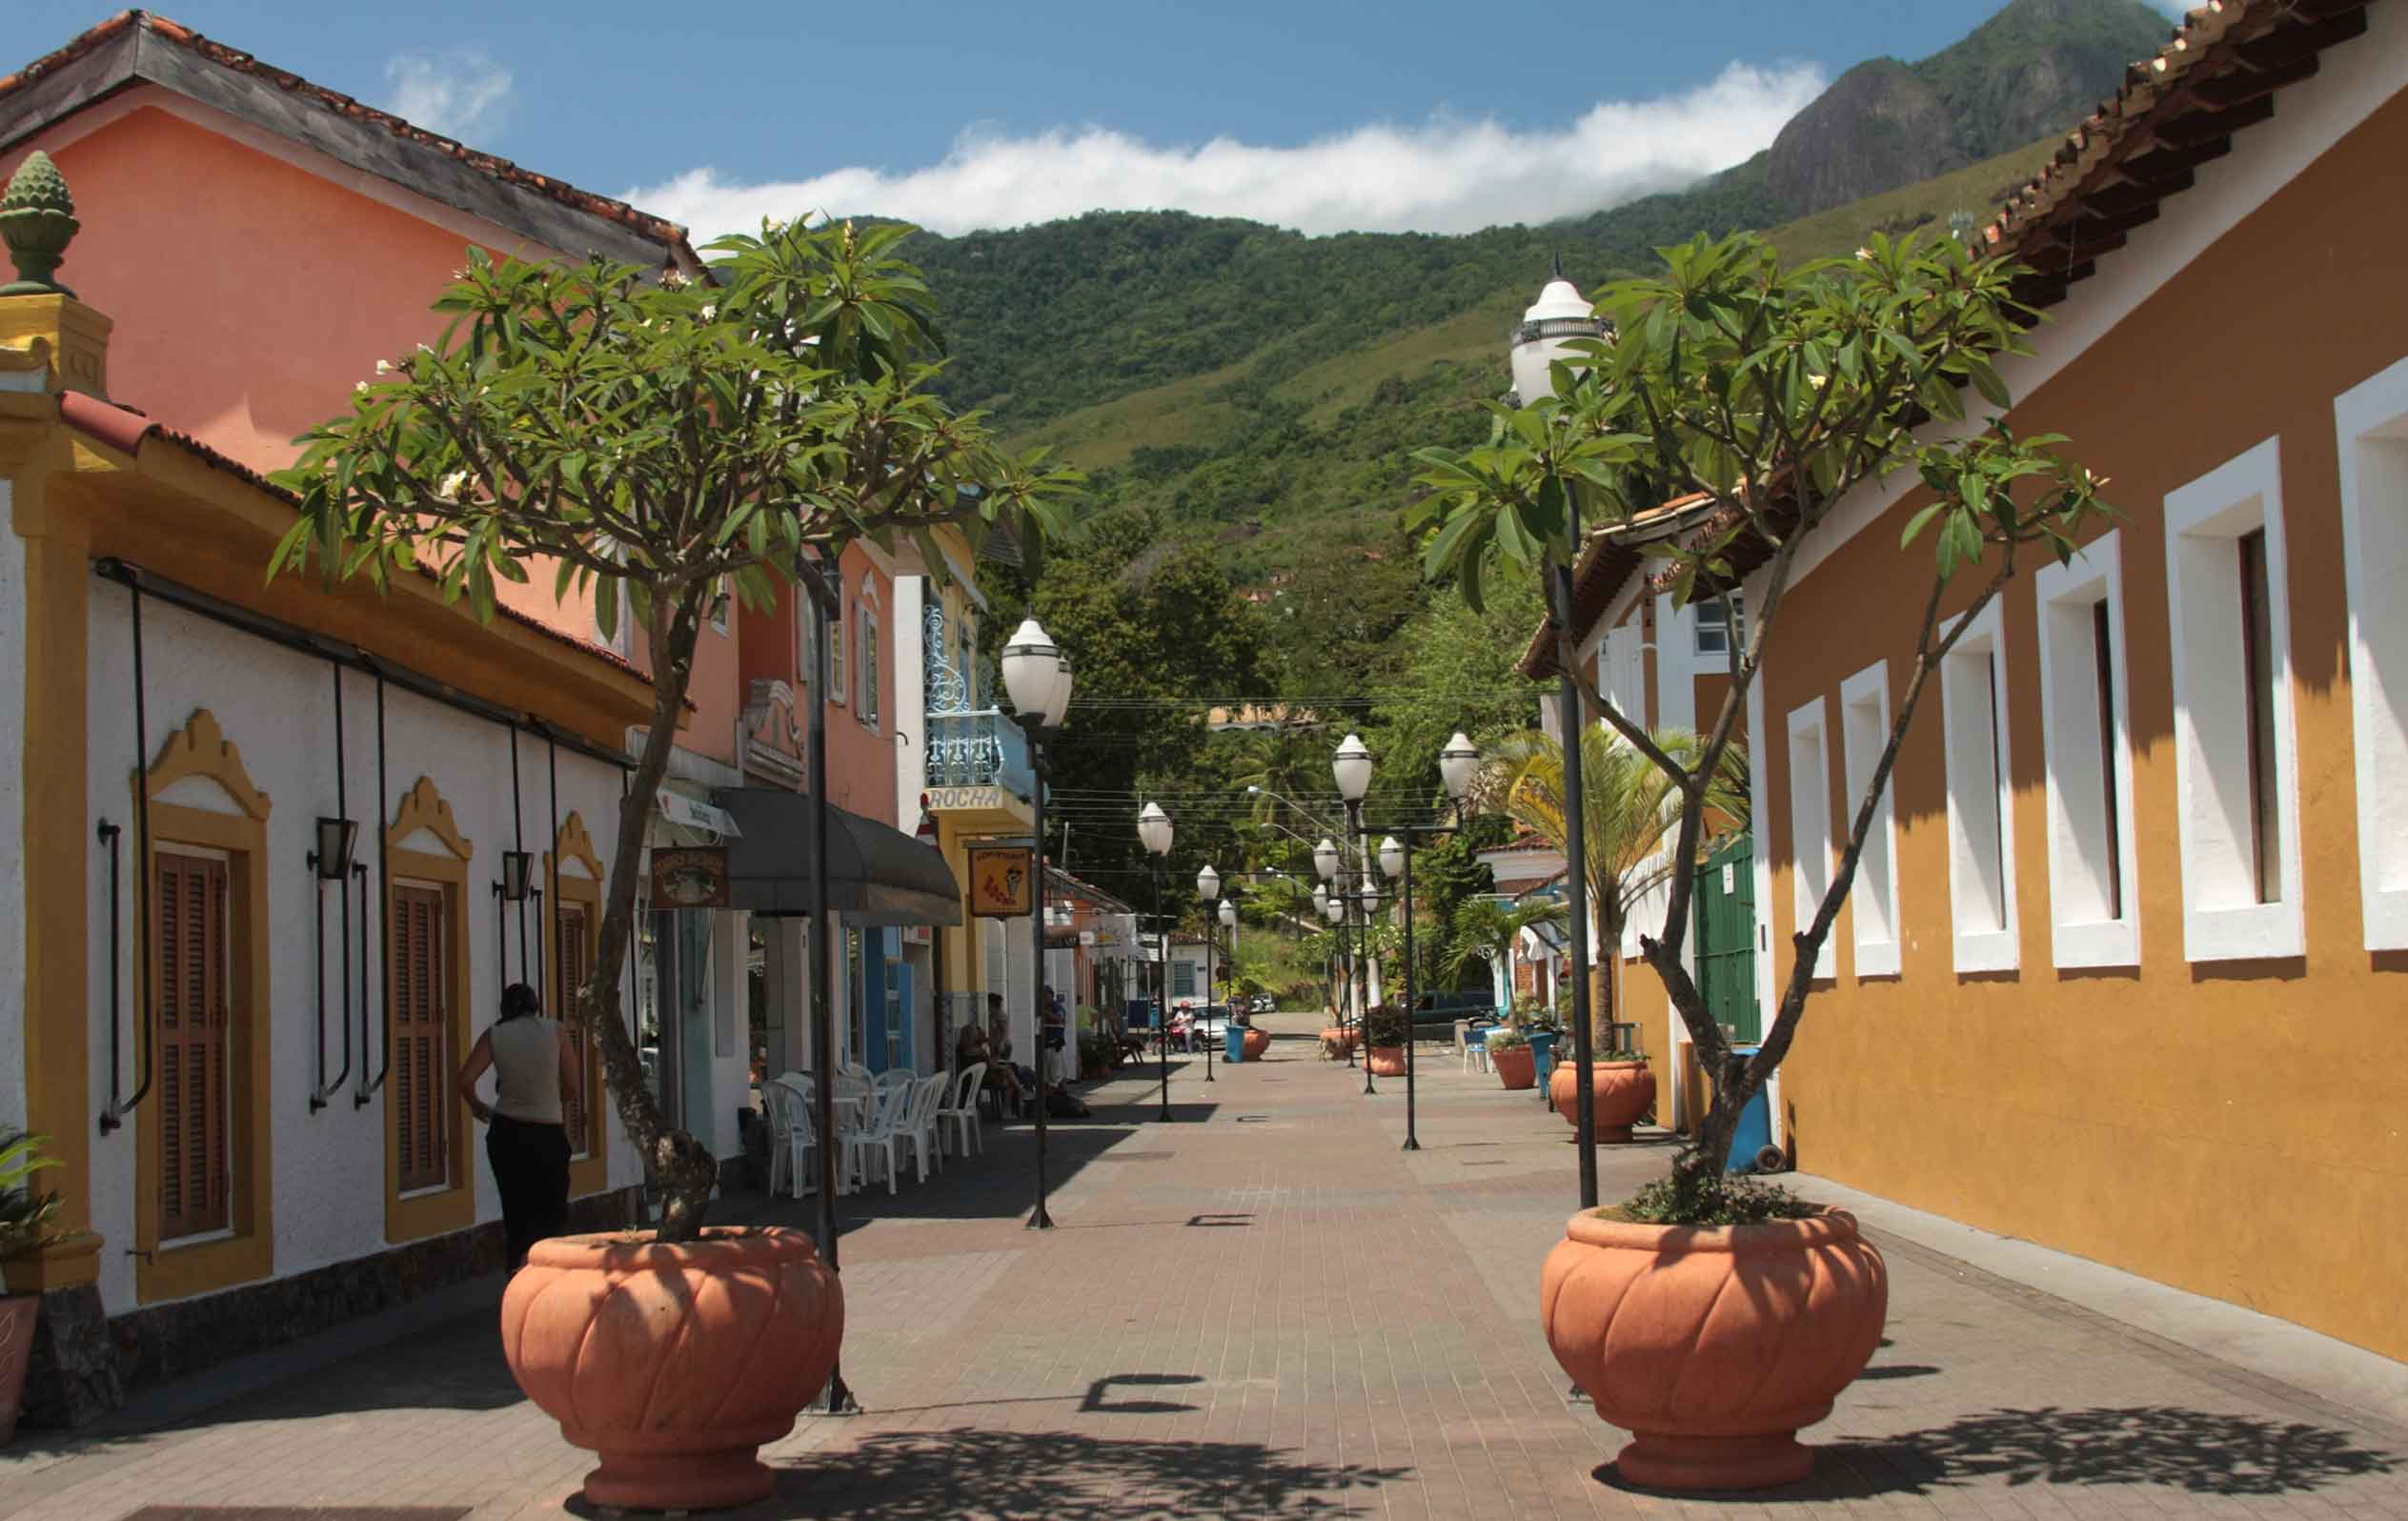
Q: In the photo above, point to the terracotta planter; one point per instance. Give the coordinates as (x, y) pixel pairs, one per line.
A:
(1515, 1066)
(1256, 1043)
(674, 1363)
(1714, 1345)
(1388, 1060)
(17, 1314)
(1624, 1090)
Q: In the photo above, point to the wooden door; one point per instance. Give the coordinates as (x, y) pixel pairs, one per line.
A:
(1726, 931)
(196, 1100)
(420, 1035)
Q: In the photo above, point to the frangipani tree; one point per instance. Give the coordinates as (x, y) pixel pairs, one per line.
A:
(648, 442)
(1769, 395)
(1631, 808)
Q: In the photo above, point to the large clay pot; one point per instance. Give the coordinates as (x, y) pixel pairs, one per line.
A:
(1624, 1090)
(1388, 1060)
(1516, 1067)
(674, 1363)
(1712, 1346)
(1257, 1041)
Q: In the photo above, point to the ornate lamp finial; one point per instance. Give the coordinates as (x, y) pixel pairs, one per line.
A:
(37, 221)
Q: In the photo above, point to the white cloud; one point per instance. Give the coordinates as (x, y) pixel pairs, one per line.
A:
(1446, 175)
(457, 93)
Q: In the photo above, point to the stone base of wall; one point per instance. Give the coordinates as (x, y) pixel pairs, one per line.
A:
(85, 1364)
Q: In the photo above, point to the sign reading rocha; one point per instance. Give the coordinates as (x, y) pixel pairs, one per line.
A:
(694, 878)
(1003, 881)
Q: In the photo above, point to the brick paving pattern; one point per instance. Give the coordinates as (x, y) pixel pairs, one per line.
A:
(1265, 1308)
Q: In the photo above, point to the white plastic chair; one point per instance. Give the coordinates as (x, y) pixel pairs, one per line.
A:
(878, 1138)
(962, 1113)
(919, 1128)
(793, 1137)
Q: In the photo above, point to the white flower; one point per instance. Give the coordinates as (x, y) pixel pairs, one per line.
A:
(709, 312)
(1864, 253)
(384, 367)
(360, 387)
(673, 280)
(452, 485)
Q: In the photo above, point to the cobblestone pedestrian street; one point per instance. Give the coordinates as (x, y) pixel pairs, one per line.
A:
(1263, 1308)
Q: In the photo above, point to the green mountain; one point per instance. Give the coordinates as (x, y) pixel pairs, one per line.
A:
(1264, 388)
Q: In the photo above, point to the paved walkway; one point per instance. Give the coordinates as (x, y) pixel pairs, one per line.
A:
(1266, 1308)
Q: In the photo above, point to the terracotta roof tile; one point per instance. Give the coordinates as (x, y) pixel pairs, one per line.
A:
(126, 429)
(658, 230)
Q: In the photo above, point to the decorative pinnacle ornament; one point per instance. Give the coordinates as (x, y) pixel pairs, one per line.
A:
(37, 221)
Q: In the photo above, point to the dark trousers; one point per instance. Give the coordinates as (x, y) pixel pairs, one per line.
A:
(531, 1167)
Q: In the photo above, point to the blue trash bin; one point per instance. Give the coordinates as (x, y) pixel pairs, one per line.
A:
(1755, 1126)
(1232, 1044)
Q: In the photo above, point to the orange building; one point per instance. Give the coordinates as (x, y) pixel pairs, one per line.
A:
(2118, 973)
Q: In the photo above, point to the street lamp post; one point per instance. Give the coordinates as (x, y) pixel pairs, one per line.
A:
(1351, 766)
(1455, 767)
(1038, 677)
(1153, 832)
(1325, 860)
(1556, 318)
(1209, 888)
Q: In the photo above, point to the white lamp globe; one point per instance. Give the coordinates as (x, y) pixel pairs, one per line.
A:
(1229, 913)
(1321, 897)
(1326, 858)
(1031, 667)
(1153, 829)
(1059, 708)
(1352, 767)
(1207, 883)
(1457, 763)
(1392, 856)
(1335, 910)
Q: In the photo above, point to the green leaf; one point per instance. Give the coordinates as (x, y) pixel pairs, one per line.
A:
(1919, 521)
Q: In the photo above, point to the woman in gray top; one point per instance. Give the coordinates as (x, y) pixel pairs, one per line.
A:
(535, 1077)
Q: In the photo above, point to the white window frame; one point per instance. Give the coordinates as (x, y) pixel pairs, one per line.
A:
(839, 650)
(2071, 744)
(2371, 422)
(2221, 919)
(865, 685)
(1877, 940)
(1810, 863)
(1981, 947)
(1699, 627)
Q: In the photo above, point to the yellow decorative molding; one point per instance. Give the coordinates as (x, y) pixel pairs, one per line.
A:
(424, 808)
(576, 844)
(201, 749)
(29, 357)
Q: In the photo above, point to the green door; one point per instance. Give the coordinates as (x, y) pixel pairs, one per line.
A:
(1725, 933)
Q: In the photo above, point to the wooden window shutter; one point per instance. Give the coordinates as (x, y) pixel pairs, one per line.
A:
(574, 964)
(421, 997)
(195, 1097)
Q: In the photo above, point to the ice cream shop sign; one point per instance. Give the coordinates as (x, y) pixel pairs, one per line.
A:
(690, 878)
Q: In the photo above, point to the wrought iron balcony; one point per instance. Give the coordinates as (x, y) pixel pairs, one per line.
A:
(979, 750)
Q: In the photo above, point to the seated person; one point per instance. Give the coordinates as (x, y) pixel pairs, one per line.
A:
(973, 1047)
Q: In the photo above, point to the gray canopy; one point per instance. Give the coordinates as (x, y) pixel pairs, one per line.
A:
(877, 874)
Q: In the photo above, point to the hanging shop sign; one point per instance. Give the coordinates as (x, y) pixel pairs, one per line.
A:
(1003, 881)
(965, 799)
(694, 878)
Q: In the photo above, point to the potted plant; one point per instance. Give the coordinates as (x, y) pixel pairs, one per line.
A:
(1097, 1054)
(1388, 1028)
(1759, 400)
(1511, 1058)
(26, 1219)
(651, 441)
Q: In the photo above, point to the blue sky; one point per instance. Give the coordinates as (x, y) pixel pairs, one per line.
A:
(1313, 114)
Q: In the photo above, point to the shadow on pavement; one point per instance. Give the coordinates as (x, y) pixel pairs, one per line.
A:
(1064, 1476)
(2153, 1446)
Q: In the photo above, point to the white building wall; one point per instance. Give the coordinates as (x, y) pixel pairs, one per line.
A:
(910, 706)
(276, 707)
(11, 818)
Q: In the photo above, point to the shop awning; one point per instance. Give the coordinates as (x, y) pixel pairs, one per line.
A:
(877, 874)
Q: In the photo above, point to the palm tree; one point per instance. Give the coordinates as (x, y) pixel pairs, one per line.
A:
(1484, 929)
(1632, 814)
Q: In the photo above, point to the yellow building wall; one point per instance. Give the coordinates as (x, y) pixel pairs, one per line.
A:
(2232, 1129)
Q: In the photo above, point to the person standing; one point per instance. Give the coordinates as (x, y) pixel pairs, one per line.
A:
(535, 1074)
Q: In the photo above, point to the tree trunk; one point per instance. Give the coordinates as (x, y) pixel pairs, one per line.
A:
(682, 1166)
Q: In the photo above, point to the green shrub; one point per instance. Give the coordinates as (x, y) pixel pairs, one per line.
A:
(1508, 1039)
(26, 1213)
(1720, 1201)
(1387, 1026)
